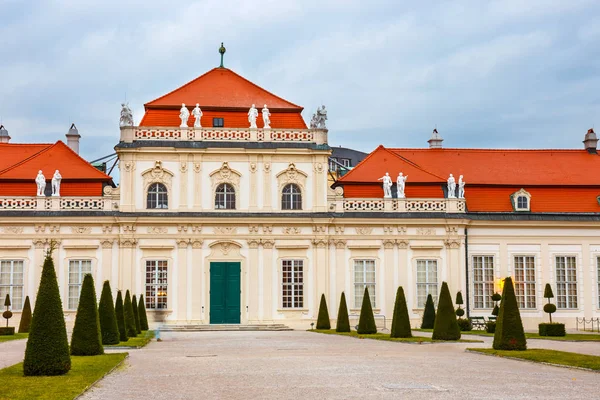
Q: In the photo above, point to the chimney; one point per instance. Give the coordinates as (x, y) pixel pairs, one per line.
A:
(436, 140)
(73, 138)
(4, 137)
(590, 141)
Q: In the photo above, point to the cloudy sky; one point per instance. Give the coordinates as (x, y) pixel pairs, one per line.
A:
(500, 74)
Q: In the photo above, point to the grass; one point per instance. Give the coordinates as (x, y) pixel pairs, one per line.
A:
(135, 343)
(572, 337)
(84, 372)
(386, 337)
(548, 356)
(16, 336)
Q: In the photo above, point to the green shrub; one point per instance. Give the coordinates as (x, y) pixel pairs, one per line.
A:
(25, 323)
(136, 317)
(548, 292)
(7, 314)
(490, 326)
(445, 327)
(323, 317)
(366, 322)
(142, 314)
(464, 324)
(47, 351)
(108, 318)
(86, 339)
(129, 318)
(343, 323)
(496, 297)
(400, 320)
(459, 299)
(552, 329)
(7, 330)
(496, 310)
(460, 312)
(120, 313)
(509, 333)
(429, 314)
(549, 308)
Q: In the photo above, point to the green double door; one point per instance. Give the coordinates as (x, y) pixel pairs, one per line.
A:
(225, 292)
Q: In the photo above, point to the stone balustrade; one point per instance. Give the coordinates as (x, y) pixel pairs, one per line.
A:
(131, 134)
(341, 205)
(58, 204)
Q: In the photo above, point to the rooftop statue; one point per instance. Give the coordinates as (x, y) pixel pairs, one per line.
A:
(400, 185)
(461, 187)
(319, 118)
(56, 183)
(126, 115)
(387, 185)
(184, 114)
(266, 117)
(252, 115)
(451, 187)
(197, 113)
(40, 181)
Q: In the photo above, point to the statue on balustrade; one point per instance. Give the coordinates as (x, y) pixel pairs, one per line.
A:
(56, 183)
(40, 181)
(252, 116)
(318, 119)
(461, 187)
(197, 113)
(266, 117)
(451, 187)
(401, 184)
(126, 115)
(387, 185)
(184, 114)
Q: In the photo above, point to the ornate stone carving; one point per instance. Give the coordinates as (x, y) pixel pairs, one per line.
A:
(402, 230)
(184, 115)
(196, 228)
(364, 230)
(267, 228)
(225, 230)
(129, 166)
(452, 243)
(197, 243)
(266, 115)
(320, 243)
(107, 190)
(402, 244)
(40, 228)
(157, 175)
(107, 243)
(253, 243)
(197, 113)
(126, 115)
(225, 248)
(318, 167)
(267, 167)
(183, 167)
(197, 167)
(107, 229)
(461, 187)
(40, 181)
(452, 230)
(54, 228)
(292, 230)
(388, 243)
(425, 231)
(387, 185)
(401, 184)
(182, 228)
(16, 230)
(253, 167)
(267, 243)
(252, 115)
(39, 243)
(339, 243)
(320, 229)
(451, 187)
(81, 230)
(339, 229)
(157, 230)
(127, 243)
(339, 191)
(225, 175)
(388, 230)
(318, 119)
(291, 175)
(56, 179)
(182, 243)
(253, 228)
(129, 228)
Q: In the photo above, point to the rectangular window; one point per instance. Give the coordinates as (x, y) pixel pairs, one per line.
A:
(156, 284)
(346, 162)
(292, 281)
(11, 283)
(332, 164)
(364, 277)
(483, 281)
(427, 281)
(218, 122)
(566, 282)
(77, 270)
(525, 281)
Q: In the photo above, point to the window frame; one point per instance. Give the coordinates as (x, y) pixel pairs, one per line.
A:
(154, 297)
(159, 197)
(296, 289)
(524, 299)
(521, 194)
(216, 121)
(569, 284)
(359, 287)
(295, 198)
(11, 285)
(227, 201)
(426, 284)
(332, 163)
(486, 293)
(80, 275)
(346, 162)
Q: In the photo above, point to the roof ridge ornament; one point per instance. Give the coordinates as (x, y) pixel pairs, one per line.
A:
(222, 51)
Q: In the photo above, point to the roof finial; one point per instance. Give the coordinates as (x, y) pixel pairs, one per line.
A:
(222, 51)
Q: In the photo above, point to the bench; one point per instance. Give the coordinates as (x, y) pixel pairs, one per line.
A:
(478, 322)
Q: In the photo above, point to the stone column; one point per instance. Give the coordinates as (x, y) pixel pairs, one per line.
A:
(182, 278)
(107, 245)
(253, 298)
(341, 266)
(389, 291)
(453, 265)
(195, 283)
(36, 268)
(268, 280)
(126, 264)
(321, 271)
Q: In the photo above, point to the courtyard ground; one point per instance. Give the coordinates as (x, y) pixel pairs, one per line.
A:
(303, 365)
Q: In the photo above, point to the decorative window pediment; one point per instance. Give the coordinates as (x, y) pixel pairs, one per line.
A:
(292, 175)
(521, 200)
(225, 175)
(157, 175)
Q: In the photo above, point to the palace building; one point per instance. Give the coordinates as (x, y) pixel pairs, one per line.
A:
(226, 224)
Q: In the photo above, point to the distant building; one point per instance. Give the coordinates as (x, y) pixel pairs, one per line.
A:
(342, 160)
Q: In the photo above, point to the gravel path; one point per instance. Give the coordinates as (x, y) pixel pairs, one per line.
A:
(12, 352)
(303, 365)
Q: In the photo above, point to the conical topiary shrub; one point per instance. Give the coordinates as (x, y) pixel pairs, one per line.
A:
(459, 302)
(446, 326)
(25, 323)
(366, 322)
(343, 323)
(400, 321)
(323, 317)
(120, 313)
(136, 317)
(509, 333)
(429, 314)
(108, 318)
(86, 339)
(47, 351)
(142, 314)
(129, 318)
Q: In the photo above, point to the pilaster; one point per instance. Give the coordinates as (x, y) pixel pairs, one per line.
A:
(268, 278)
(182, 279)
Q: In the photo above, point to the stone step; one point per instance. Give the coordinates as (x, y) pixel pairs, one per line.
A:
(222, 327)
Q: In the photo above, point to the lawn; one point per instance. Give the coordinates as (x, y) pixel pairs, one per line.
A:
(16, 336)
(573, 337)
(84, 372)
(548, 356)
(137, 342)
(385, 336)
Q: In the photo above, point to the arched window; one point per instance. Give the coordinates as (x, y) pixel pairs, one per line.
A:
(225, 197)
(291, 197)
(157, 196)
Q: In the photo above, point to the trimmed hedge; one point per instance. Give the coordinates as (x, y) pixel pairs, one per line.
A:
(552, 329)
(446, 326)
(108, 318)
(7, 330)
(25, 323)
(490, 326)
(86, 339)
(129, 318)
(509, 333)
(142, 314)
(343, 322)
(429, 314)
(400, 321)
(136, 316)
(47, 351)
(464, 324)
(323, 317)
(120, 313)
(366, 322)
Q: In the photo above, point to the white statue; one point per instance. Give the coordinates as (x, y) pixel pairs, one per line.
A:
(56, 183)
(319, 118)
(184, 114)
(451, 187)
(400, 185)
(461, 187)
(126, 115)
(40, 181)
(266, 117)
(387, 185)
(252, 115)
(197, 113)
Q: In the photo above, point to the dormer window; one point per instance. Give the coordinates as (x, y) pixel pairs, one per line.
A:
(218, 122)
(521, 200)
